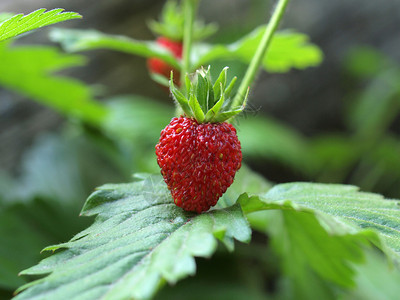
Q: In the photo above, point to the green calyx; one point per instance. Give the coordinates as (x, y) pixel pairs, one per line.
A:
(171, 24)
(205, 101)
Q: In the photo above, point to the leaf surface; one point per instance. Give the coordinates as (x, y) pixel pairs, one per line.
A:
(321, 231)
(81, 40)
(19, 24)
(25, 228)
(341, 209)
(41, 206)
(266, 138)
(288, 50)
(139, 240)
(28, 70)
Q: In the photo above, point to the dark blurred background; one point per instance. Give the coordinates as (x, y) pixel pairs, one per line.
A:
(313, 100)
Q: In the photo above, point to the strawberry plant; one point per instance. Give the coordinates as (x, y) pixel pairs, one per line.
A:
(199, 154)
(207, 227)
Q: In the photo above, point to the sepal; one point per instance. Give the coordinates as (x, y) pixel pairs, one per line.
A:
(179, 98)
(205, 101)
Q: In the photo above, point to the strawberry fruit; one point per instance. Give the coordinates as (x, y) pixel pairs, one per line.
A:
(160, 67)
(170, 29)
(198, 161)
(199, 153)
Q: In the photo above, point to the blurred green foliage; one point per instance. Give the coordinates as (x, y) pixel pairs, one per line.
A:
(107, 142)
(365, 155)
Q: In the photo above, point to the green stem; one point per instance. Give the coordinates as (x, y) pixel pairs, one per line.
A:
(189, 9)
(256, 61)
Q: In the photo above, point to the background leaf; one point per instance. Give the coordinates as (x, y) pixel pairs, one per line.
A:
(380, 101)
(41, 206)
(288, 50)
(139, 239)
(19, 23)
(145, 115)
(134, 124)
(81, 40)
(26, 228)
(266, 138)
(375, 279)
(28, 70)
(245, 273)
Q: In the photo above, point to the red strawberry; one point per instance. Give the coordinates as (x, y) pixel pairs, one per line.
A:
(198, 161)
(158, 66)
(199, 153)
(170, 28)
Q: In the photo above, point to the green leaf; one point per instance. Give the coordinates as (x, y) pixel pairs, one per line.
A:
(321, 232)
(311, 254)
(341, 209)
(288, 50)
(19, 23)
(139, 240)
(133, 126)
(42, 205)
(25, 228)
(82, 40)
(242, 274)
(172, 24)
(62, 168)
(28, 70)
(375, 279)
(380, 102)
(366, 62)
(266, 138)
(136, 119)
(334, 157)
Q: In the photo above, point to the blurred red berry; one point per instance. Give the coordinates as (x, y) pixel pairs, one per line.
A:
(158, 66)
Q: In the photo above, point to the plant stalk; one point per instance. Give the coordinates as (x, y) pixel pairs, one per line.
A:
(189, 10)
(258, 57)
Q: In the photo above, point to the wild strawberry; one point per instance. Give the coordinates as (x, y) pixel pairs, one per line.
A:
(170, 28)
(198, 161)
(199, 153)
(158, 66)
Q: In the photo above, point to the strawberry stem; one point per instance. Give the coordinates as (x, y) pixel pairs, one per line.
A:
(259, 55)
(189, 9)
